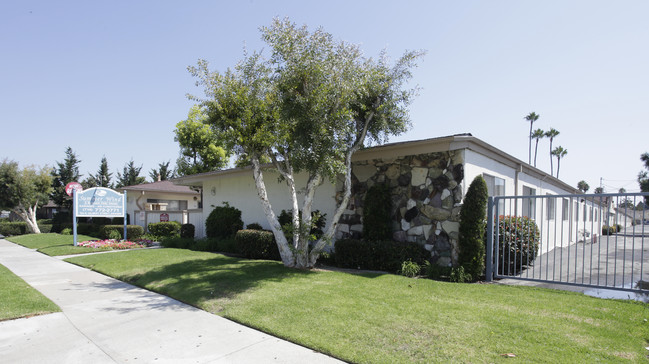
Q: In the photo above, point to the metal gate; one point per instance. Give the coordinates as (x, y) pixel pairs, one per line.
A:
(595, 240)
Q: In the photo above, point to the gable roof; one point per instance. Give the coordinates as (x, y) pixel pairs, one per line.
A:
(160, 186)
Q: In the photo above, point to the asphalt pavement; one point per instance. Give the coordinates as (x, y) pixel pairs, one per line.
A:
(104, 320)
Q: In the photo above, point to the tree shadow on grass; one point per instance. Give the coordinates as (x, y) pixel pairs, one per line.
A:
(217, 279)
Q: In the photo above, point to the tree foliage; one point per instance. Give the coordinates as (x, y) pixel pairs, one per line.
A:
(559, 152)
(308, 107)
(377, 208)
(130, 176)
(583, 186)
(102, 178)
(201, 149)
(64, 173)
(551, 134)
(531, 117)
(472, 228)
(643, 176)
(162, 173)
(23, 191)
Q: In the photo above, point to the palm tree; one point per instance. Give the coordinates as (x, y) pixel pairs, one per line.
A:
(559, 152)
(551, 134)
(537, 135)
(531, 117)
(583, 186)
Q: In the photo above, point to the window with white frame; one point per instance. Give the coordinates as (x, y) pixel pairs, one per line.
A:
(496, 187)
(529, 204)
(566, 209)
(551, 212)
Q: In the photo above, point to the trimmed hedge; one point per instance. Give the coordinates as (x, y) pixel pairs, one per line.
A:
(165, 229)
(187, 231)
(13, 228)
(376, 213)
(378, 255)
(133, 231)
(257, 244)
(223, 222)
(472, 229)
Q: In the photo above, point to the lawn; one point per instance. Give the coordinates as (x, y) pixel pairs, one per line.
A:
(18, 299)
(54, 244)
(382, 318)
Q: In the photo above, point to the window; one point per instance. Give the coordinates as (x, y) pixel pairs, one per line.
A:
(496, 187)
(596, 215)
(171, 205)
(529, 204)
(551, 211)
(576, 209)
(566, 209)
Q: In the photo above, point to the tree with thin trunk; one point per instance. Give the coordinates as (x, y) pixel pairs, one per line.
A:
(559, 152)
(24, 191)
(531, 117)
(162, 173)
(551, 134)
(308, 108)
(537, 135)
(64, 173)
(130, 176)
(583, 186)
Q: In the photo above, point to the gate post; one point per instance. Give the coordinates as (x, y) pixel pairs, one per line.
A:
(490, 240)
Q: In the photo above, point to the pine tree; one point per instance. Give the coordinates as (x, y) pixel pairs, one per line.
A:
(64, 173)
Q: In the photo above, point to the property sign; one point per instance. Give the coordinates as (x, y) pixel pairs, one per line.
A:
(100, 202)
(164, 217)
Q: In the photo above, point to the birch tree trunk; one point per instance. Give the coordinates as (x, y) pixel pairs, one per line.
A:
(29, 216)
(285, 252)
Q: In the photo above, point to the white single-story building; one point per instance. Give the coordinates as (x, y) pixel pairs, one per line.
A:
(427, 178)
(164, 201)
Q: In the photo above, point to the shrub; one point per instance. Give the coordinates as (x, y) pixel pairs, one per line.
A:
(254, 226)
(132, 231)
(13, 228)
(187, 231)
(45, 228)
(102, 220)
(377, 208)
(318, 222)
(89, 229)
(224, 221)
(472, 229)
(120, 220)
(435, 271)
(458, 275)
(410, 269)
(166, 229)
(61, 220)
(177, 242)
(378, 255)
(112, 234)
(66, 231)
(518, 243)
(609, 230)
(257, 244)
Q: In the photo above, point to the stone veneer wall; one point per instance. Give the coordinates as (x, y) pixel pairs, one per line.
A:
(426, 200)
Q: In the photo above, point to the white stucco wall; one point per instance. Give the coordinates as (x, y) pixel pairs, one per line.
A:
(238, 189)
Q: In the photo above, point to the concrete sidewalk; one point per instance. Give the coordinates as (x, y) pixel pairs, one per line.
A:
(107, 321)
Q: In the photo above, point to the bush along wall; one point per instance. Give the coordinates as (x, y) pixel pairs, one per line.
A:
(472, 229)
(426, 196)
(165, 229)
(223, 222)
(378, 255)
(518, 243)
(257, 244)
(133, 231)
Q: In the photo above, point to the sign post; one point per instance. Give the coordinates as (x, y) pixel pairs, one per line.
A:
(98, 202)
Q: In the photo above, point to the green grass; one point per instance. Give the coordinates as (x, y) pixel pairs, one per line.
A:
(18, 299)
(374, 318)
(54, 244)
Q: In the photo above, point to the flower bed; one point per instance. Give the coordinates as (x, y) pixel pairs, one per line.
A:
(116, 244)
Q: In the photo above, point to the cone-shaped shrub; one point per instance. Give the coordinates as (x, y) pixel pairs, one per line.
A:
(472, 228)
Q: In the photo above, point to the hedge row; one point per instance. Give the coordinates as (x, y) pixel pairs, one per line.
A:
(257, 244)
(133, 231)
(378, 255)
(20, 228)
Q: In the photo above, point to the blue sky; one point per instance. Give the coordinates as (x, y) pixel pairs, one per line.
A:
(110, 78)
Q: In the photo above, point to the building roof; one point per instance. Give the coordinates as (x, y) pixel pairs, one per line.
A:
(160, 186)
(413, 147)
